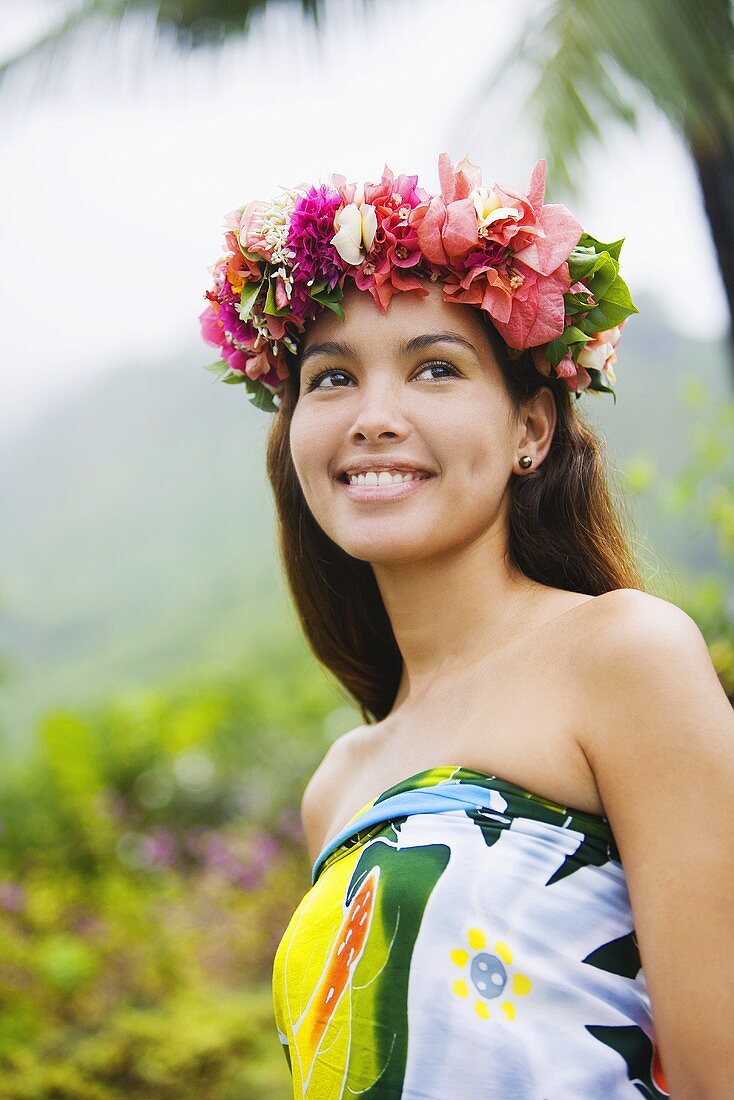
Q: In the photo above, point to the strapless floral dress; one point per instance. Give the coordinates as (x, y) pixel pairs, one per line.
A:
(464, 938)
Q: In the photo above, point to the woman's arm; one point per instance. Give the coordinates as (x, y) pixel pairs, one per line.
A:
(660, 741)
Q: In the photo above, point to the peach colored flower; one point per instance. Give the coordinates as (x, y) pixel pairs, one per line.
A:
(252, 228)
(526, 308)
(599, 354)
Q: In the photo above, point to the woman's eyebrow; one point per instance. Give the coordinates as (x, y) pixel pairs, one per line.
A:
(417, 343)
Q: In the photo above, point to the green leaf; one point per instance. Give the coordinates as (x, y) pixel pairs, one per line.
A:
(614, 249)
(603, 276)
(329, 298)
(335, 307)
(248, 297)
(559, 348)
(572, 335)
(580, 263)
(555, 351)
(587, 326)
(598, 272)
(219, 367)
(233, 379)
(598, 383)
(613, 308)
(576, 303)
(598, 261)
(260, 395)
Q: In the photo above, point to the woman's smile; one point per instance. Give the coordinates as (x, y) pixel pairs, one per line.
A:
(375, 494)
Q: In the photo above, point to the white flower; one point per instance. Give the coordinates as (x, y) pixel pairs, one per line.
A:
(489, 209)
(276, 216)
(357, 225)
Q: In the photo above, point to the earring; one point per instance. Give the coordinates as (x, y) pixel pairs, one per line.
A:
(526, 461)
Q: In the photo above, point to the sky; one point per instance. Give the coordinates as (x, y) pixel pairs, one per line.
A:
(119, 166)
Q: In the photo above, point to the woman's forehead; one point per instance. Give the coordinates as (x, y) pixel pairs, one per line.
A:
(408, 314)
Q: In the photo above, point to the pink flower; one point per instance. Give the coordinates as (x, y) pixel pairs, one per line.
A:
(526, 308)
(577, 378)
(457, 183)
(221, 324)
(235, 357)
(537, 308)
(315, 260)
(395, 247)
(211, 325)
(251, 229)
(507, 252)
(241, 346)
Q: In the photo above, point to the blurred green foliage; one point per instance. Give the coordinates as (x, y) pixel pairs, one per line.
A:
(151, 858)
(699, 498)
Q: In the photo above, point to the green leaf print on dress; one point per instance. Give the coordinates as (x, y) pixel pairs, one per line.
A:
(641, 1056)
(345, 978)
(379, 992)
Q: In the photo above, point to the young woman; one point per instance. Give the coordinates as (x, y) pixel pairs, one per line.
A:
(522, 880)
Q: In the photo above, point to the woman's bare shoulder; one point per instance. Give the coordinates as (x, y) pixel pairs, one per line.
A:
(623, 608)
(630, 638)
(317, 803)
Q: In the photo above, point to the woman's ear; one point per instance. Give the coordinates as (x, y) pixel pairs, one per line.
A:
(537, 424)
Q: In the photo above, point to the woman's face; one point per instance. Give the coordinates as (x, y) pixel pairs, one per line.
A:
(390, 387)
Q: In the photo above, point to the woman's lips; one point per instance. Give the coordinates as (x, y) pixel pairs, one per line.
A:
(397, 490)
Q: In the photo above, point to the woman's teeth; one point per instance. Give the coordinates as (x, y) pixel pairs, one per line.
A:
(384, 477)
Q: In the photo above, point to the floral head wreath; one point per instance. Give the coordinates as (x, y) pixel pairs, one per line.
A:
(546, 285)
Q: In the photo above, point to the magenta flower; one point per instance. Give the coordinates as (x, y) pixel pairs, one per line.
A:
(221, 326)
(309, 238)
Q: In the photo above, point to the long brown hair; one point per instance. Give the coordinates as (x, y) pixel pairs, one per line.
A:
(565, 531)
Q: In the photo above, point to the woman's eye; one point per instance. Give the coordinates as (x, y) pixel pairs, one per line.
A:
(315, 382)
(438, 363)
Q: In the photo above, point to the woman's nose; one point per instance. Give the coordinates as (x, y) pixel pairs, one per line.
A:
(380, 413)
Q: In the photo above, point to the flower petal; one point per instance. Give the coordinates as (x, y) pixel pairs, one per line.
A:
(460, 233)
(562, 234)
(369, 225)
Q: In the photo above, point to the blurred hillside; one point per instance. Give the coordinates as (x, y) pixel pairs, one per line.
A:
(138, 526)
(137, 539)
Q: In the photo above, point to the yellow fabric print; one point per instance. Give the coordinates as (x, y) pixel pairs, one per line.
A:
(487, 975)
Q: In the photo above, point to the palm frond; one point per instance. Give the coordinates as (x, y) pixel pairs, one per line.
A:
(44, 50)
(192, 23)
(593, 60)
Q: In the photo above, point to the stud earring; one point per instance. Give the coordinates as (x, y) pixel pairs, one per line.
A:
(526, 461)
